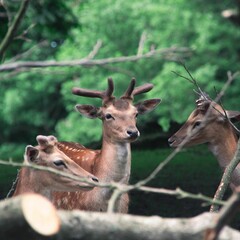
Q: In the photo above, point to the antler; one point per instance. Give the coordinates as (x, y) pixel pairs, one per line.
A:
(105, 95)
(202, 100)
(131, 92)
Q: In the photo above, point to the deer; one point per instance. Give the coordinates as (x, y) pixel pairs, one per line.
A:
(209, 123)
(47, 154)
(112, 163)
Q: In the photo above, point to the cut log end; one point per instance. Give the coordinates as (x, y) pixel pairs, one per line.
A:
(40, 214)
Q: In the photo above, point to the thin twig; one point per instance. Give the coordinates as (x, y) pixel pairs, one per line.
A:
(141, 44)
(95, 50)
(28, 52)
(122, 188)
(13, 28)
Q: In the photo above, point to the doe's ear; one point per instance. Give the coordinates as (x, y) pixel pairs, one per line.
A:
(88, 111)
(147, 105)
(31, 153)
(234, 115)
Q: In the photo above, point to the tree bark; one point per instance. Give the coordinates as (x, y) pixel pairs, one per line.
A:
(103, 226)
(33, 217)
(29, 216)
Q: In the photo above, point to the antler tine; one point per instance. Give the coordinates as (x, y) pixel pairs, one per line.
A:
(129, 91)
(87, 93)
(142, 89)
(108, 93)
(105, 95)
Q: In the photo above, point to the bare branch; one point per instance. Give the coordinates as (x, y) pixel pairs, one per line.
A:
(191, 79)
(98, 226)
(33, 217)
(86, 62)
(121, 188)
(95, 50)
(13, 28)
(28, 52)
(225, 216)
(226, 178)
(141, 44)
(24, 33)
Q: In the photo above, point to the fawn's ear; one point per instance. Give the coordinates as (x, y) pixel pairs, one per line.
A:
(31, 153)
(234, 115)
(147, 105)
(89, 111)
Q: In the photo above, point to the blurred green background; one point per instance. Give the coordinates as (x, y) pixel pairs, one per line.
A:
(39, 100)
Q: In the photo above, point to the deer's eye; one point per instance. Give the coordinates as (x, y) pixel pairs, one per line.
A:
(136, 115)
(108, 116)
(196, 124)
(59, 163)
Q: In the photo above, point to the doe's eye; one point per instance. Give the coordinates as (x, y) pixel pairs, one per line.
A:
(136, 115)
(59, 163)
(109, 116)
(196, 124)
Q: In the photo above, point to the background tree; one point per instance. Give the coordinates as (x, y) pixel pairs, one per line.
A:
(39, 100)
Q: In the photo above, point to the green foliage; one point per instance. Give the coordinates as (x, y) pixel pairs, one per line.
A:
(40, 101)
(119, 24)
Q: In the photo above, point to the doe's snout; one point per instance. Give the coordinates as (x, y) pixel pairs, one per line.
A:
(171, 140)
(132, 133)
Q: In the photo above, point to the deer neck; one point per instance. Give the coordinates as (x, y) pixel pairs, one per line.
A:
(224, 146)
(114, 162)
(28, 183)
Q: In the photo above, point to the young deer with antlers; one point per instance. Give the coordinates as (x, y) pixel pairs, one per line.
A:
(214, 129)
(113, 161)
(37, 181)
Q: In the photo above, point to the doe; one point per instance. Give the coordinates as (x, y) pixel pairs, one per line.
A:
(214, 129)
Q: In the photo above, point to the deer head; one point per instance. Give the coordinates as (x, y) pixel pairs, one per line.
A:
(118, 115)
(204, 123)
(47, 154)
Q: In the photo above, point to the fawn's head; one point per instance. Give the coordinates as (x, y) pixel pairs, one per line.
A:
(47, 154)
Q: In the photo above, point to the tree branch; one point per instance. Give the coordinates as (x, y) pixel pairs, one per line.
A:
(33, 217)
(226, 178)
(225, 216)
(86, 62)
(104, 226)
(121, 188)
(28, 216)
(13, 28)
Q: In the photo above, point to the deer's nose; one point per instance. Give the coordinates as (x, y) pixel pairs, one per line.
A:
(171, 140)
(133, 133)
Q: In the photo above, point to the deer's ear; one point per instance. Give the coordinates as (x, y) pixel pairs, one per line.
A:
(147, 105)
(203, 107)
(89, 111)
(234, 115)
(31, 153)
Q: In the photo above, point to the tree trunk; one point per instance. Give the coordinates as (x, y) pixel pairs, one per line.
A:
(28, 216)
(33, 217)
(103, 226)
